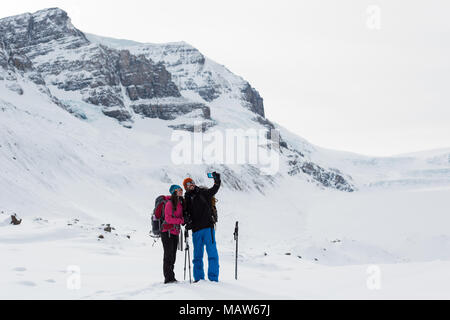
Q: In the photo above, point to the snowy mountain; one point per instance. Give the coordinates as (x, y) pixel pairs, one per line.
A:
(87, 126)
(172, 82)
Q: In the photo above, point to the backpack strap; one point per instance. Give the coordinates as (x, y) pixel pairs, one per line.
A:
(173, 216)
(212, 235)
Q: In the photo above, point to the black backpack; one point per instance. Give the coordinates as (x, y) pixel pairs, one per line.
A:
(213, 205)
(158, 216)
(215, 215)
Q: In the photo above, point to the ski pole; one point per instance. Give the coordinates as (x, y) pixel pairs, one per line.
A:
(190, 273)
(236, 238)
(180, 241)
(187, 255)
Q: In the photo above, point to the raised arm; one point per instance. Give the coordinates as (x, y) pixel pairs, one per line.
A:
(216, 187)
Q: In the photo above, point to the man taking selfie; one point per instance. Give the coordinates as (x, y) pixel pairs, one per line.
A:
(201, 217)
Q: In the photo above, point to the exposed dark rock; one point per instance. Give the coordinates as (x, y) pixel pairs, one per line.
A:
(270, 126)
(36, 78)
(15, 221)
(180, 57)
(327, 178)
(256, 103)
(143, 79)
(209, 94)
(24, 32)
(20, 62)
(170, 111)
(191, 128)
(16, 63)
(121, 115)
(3, 56)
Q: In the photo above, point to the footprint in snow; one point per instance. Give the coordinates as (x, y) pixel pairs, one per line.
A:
(20, 269)
(28, 283)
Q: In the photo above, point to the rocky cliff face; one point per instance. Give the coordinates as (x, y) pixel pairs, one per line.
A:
(193, 72)
(38, 33)
(143, 79)
(115, 80)
(127, 81)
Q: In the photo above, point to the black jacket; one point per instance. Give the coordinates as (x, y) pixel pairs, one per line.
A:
(199, 209)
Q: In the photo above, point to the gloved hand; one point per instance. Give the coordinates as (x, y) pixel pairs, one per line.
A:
(187, 223)
(216, 177)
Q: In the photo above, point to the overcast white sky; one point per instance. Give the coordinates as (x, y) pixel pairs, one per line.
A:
(323, 72)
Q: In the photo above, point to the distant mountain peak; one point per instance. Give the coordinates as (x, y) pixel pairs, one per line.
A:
(23, 32)
(50, 12)
(131, 81)
(56, 15)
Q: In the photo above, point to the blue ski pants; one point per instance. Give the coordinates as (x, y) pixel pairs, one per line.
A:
(202, 238)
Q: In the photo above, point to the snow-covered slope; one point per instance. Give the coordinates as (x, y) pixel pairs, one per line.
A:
(424, 169)
(85, 140)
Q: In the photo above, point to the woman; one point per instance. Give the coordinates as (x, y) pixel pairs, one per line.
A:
(173, 216)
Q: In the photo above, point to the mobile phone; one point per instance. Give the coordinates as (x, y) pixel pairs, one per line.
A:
(210, 175)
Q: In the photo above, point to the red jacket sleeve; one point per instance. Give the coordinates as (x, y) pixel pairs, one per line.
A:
(169, 215)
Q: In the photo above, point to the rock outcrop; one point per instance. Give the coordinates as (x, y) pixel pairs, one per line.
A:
(66, 61)
(15, 221)
(254, 100)
(192, 71)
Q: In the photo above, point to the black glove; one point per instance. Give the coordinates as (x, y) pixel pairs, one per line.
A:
(216, 177)
(188, 222)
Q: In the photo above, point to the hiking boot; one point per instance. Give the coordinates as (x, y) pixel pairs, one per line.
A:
(171, 281)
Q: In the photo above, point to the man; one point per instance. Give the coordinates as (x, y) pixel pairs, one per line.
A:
(200, 219)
